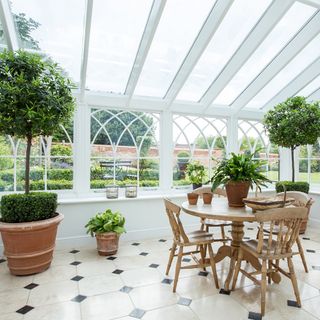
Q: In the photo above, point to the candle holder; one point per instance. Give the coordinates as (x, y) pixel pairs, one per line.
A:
(112, 192)
(131, 191)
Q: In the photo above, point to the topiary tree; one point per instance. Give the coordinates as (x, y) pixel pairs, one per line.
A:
(35, 98)
(293, 123)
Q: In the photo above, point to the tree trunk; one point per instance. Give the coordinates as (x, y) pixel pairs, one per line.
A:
(27, 171)
(292, 163)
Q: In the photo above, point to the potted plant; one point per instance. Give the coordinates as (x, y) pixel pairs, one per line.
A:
(35, 98)
(238, 174)
(196, 173)
(107, 228)
(183, 158)
(291, 124)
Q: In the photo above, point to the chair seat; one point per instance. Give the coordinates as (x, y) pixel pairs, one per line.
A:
(199, 236)
(216, 223)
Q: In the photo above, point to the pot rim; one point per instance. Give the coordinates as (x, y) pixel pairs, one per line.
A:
(239, 182)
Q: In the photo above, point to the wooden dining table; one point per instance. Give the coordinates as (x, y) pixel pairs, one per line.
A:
(220, 210)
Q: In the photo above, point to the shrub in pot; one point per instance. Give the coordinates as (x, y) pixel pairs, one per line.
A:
(107, 228)
(183, 158)
(238, 174)
(195, 173)
(301, 186)
(35, 98)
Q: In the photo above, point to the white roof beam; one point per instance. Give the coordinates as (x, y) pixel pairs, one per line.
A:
(302, 38)
(144, 47)
(85, 46)
(313, 3)
(305, 77)
(199, 45)
(315, 95)
(8, 25)
(266, 23)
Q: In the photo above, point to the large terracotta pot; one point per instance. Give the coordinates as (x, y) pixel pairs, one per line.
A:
(107, 243)
(236, 191)
(29, 246)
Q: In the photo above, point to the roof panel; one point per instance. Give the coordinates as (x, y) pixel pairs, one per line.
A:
(313, 86)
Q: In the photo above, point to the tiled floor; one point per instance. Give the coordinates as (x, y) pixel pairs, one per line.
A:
(132, 284)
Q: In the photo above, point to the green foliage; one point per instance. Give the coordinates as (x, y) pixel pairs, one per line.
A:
(239, 167)
(195, 172)
(183, 157)
(107, 221)
(61, 150)
(205, 143)
(28, 207)
(5, 150)
(293, 186)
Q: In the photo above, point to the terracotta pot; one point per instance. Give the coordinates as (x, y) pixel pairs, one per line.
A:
(236, 191)
(29, 246)
(207, 197)
(192, 198)
(107, 243)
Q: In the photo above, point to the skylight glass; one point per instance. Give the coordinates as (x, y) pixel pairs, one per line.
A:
(116, 31)
(287, 27)
(287, 74)
(53, 27)
(234, 28)
(179, 25)
(310, 88)
(3, 42)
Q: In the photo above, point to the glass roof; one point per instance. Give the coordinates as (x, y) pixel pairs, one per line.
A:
(313, 86)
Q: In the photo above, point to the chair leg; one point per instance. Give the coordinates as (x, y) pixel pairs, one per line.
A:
(213, 266)
(178, 267)
(269, 274)
(302, 254)
(173, 250)
(207, 228)
(294, 281)
(223, 235)
(237, 269)
(263, 286)
(203, 257)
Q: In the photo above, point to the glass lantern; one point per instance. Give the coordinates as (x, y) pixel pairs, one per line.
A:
(112, 192)
(131, 191)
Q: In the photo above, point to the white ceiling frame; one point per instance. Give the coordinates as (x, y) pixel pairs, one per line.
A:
(85, 47)
(313, 3)
(299, 82)
(267, 22)
(207, 31)
(8, 25)
(144, 47)
(315, 95)
(301, 39)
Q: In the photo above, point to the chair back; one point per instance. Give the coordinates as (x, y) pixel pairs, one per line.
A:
(207, 189)
(287, 222)
(173, 213)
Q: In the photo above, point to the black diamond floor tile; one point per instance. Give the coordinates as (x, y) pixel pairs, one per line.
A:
(316, 268)
(144, 254)
(311, 251)
(137, 313)
(249, 228)
(75, 263)
(292, 303)
(2, 260)
(25, 309)
(222, 291)
(254, 316)
(76, 278)
(31, 286)
(184, 301)
(153, 265)
(74, 251)
(126, 289)
(186, 259)
(79, 298)
(246, 238)
(203, 273)
(117, 271)
(135, 244)
(305, 238)
(167, 281)
(162, 240)
(111, 258)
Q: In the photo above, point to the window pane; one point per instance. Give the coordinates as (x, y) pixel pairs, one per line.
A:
(53, 27)
(179, 25)
(117, 27)
(287, 74)
(287, 27)
(310, 88)
(234, 28)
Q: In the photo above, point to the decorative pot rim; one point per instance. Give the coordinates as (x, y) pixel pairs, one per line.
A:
(34, 225)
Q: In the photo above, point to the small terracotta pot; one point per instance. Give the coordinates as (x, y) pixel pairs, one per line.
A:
(107, 243)
(192, 198)
(207, 197)
(236, 191)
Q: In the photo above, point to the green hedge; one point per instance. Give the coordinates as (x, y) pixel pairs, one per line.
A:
(28, 207)
(293, 186)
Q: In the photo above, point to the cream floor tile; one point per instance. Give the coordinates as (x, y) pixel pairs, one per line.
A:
(219, 306)
(133, 262)
(95, 268)
(153, 296)
(56, 274)
(140, 277)
(175, 312)
(62, 259)
(312, 278)
(127, 250)
(312, 306)
(88, 255)
(11, 316)
(100, 284)
(59, 311)
(50, 293)
(9, 281)
(13, 299)
(106, 306)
